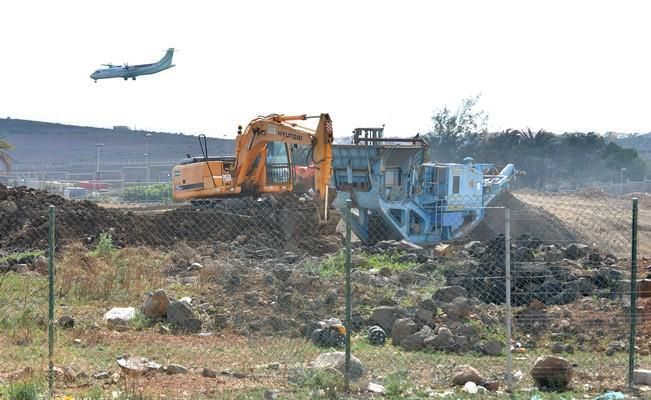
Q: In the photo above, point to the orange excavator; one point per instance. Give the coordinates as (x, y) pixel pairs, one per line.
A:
(263, 161)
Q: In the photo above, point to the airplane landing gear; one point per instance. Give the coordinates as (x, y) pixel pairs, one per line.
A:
(125, 78)
(134, 78)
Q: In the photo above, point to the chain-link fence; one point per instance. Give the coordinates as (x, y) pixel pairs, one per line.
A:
(247, 298)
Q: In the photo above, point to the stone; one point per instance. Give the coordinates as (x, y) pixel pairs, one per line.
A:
(492, 386)
(458, 308)
(180, 313)
(8, 206)
(467, 330)
(615, 347)
(642, 377)
(443, 340)
(424, 317)
(175, 369)
(358, 261)
(386, 316)
(270, 394)
(385, 272)
(156, 304)
(375, 388)
(553, 255)
(120, 315)
(558, 348)
(209, 373)
(493, 348)
(449, 293)
(644, 288)
(40, 265)
(195, 266)
(407, 278)
(464, 374)
(66, 322)
(407, 258)
(417, 340)
(523, 254)
(576, 251)
(103, 374)
(137, 365)
(551, 372)
(470, 387)
(402, 328)
(21, 268)
(336, 360)
(441, 249)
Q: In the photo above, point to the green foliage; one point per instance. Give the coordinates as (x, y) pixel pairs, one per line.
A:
(160, 192)
(24, 255)
(547, 158)
(389, 260)
(331, 266)
(324, 384)
(5, 160)
(104, 247)
(21, 391)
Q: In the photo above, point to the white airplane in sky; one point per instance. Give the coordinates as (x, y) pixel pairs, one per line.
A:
(131, 71)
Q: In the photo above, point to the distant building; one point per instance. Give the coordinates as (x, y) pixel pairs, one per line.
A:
(121, 128)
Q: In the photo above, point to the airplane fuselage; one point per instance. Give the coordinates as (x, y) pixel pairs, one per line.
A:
(131, 71)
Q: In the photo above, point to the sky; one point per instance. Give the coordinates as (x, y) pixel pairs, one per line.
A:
(555, 65)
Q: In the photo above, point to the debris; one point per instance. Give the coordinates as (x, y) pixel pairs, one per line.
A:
(336, 360)
(470, 387)
(103, 374)
(611, 396)
(120, 315)
(402, 328)
(375, 388)
(137, 365)
(642, 376)
(329, 333)
(376, 335)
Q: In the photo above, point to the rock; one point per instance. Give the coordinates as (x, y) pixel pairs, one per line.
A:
(615, 347)
(195, 266)
(575, 251)
(492, 386)
(163, 330)
(270, 394)
(464, 374)
(551, 372)
(523, 254)
(458, 308)
(375, 388)
(407, 258)
(553, 255)
(642, 377)
(66, 322)
(467, 330)
(558, 348)
(40, 265)
(401, 328)
(644, 288)
(180, 313)
(76, 342)
(441, 249)
(385, 272)
(424, 317)
(449, 293)
(417, 340)
(120, 315)
(21, 268)
(156, 304)
(594, 258)
(137, 365)
(492, 348)
(336, 360)
(407, 278)
(386, 316)
(174, 369)
(8, 206)
(470, 387)
(103, 374)
(208, 373)
(358, 261)
(428, 304)
(444, 340)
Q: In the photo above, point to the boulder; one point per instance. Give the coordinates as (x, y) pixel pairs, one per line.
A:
(458, 308)
(576, 251)
(174, 369)
(336, 360)
(180, 313)
(553, 254)
(386, 316)
(66, 321)
(644, 288)
(444, 340)
(425, 317)
(407, 278)
(449, 293)
(492, 348)
(551, 372)
(156, 304)
(417, 340)
(120, 315)
(40, 265)
(523, 254)
(401, 328)
(464, 374)
(137, 365)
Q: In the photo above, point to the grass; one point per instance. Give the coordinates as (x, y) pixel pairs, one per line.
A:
(21, 391)
(333, 266)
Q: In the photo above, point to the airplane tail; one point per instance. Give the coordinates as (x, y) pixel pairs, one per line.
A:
(166, 61)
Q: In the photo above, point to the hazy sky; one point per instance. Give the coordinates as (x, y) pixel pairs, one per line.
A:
(559, 65)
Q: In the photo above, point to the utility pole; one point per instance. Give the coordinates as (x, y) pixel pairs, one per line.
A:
(99, 146)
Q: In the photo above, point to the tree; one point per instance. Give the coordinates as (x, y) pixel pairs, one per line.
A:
(5, 160)
(454, 133)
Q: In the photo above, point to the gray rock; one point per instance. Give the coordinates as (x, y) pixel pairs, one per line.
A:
(174, 369)
(449, 293)
(407, 278)
(467, 330)
(523, 254)
(551, 372)
(180, 313)
(66, 321)
(209, 373)
(575, 251)
(103, 374)
(425, 317)
(8, 206)
(336, 360)
(270, 394)
(492, 348)
(458, 308)
(119, 315)
(553, 254)
(386, 316)
(417, 340)
(615, 347)
(156, 304)
(408, 258)
(443, 340)
(464, 374)
(428, 304)
(402, 328)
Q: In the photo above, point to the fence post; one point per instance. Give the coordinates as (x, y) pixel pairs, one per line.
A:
(348, 298)
(633, 308)
(507, 264)
(50, 298)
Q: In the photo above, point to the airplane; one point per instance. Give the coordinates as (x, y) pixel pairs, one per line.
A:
(131, 71)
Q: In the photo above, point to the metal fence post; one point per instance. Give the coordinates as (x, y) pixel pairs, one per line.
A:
(633, 308)
(348, 297)
(507, 265)
(50, 274)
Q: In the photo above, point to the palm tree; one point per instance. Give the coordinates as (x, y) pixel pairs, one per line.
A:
(5, 160)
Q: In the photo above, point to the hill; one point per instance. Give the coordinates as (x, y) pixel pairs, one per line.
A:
(45, 145)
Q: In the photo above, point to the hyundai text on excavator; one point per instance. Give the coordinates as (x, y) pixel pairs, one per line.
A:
(263, 161)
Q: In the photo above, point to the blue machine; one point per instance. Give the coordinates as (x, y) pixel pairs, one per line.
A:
(397, 194)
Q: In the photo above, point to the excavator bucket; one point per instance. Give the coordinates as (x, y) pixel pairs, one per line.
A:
(322, 155)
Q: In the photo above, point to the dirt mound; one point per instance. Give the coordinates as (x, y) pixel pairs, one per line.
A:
(525, 219)
(24, 224)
